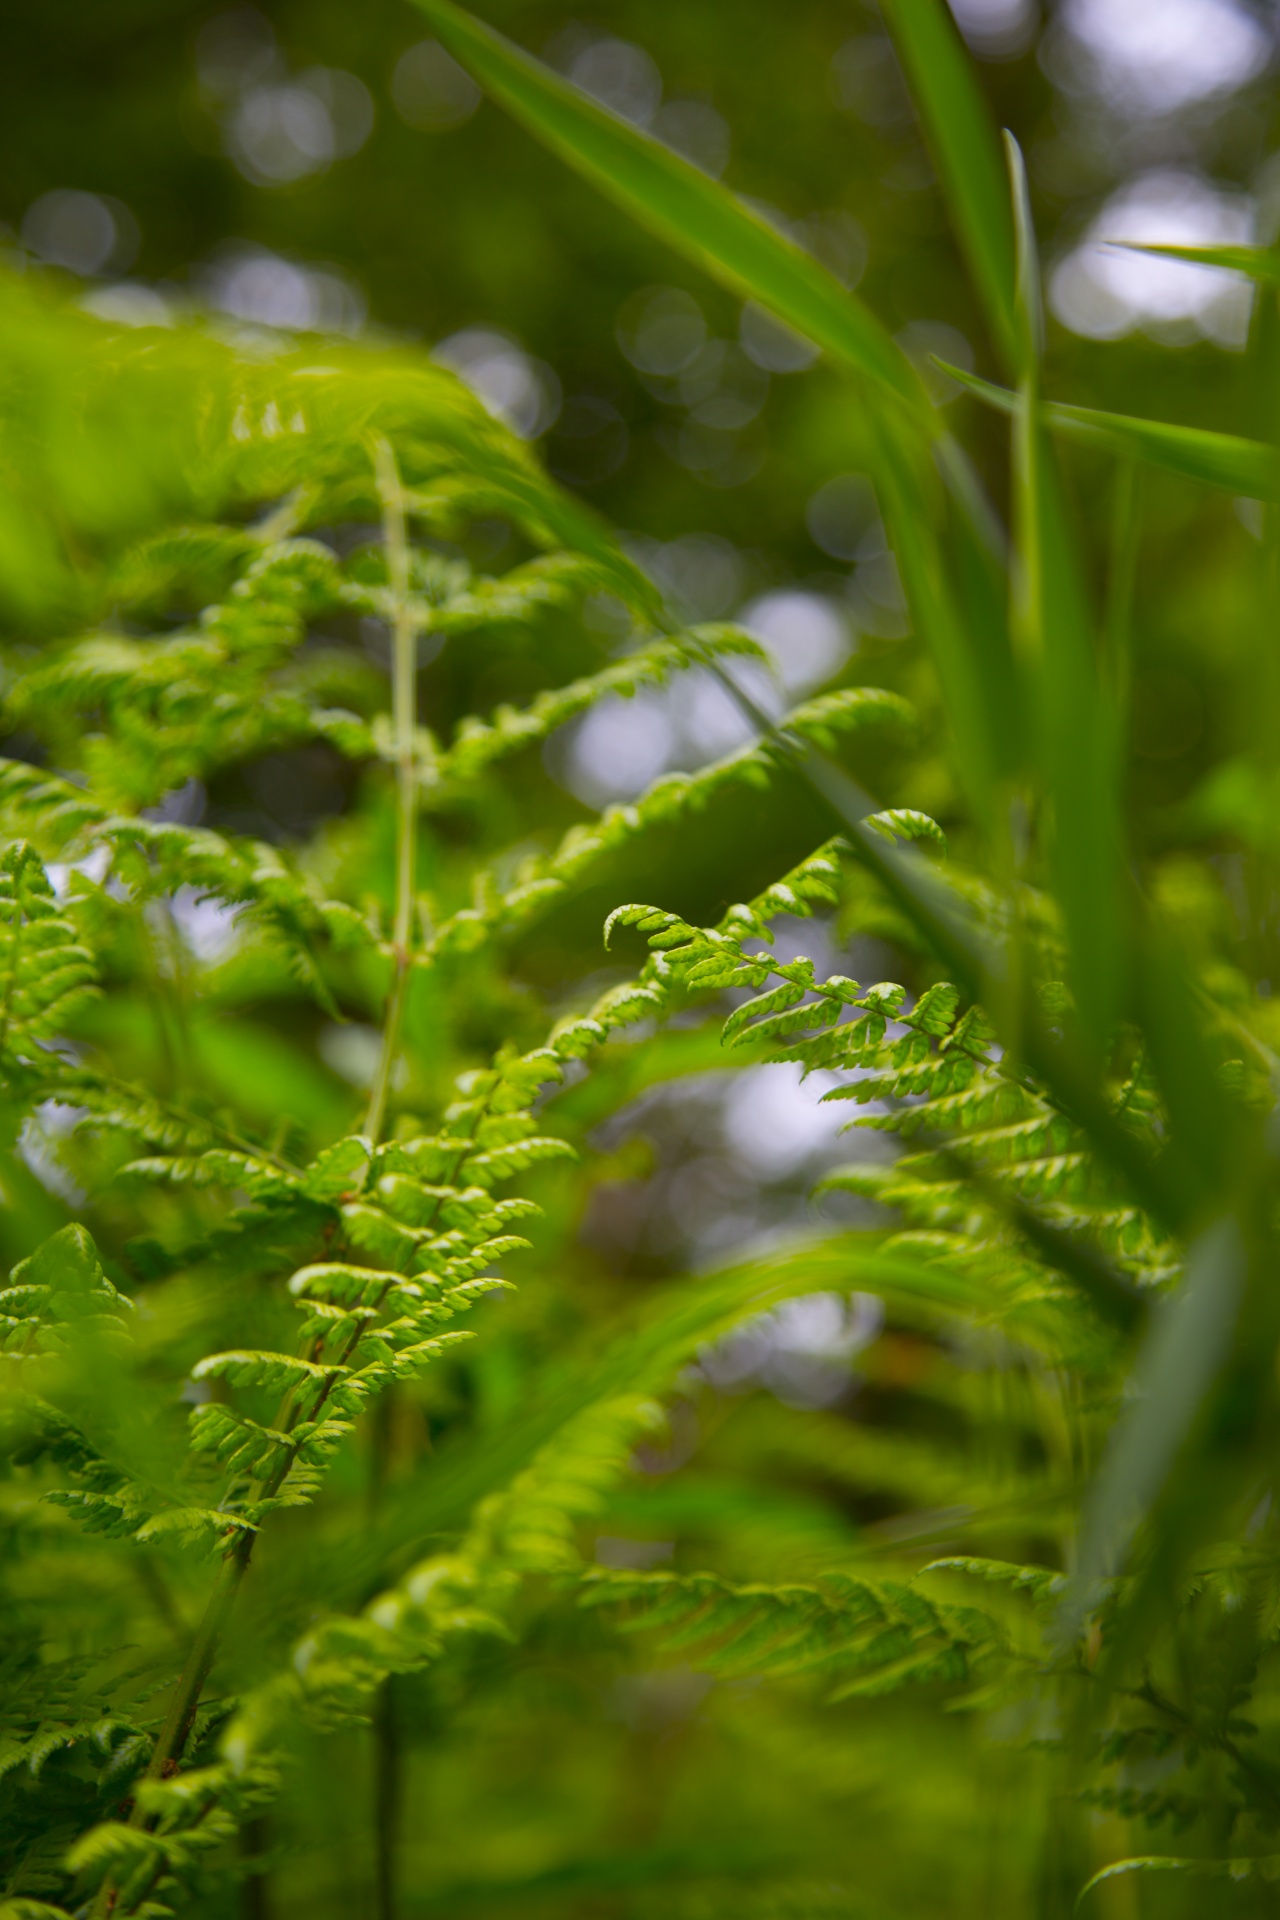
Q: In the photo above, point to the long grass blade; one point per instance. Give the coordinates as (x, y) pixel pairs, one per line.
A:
(1185, 1346)
(1225, 460)
(1077, 744)
(966, 150)
(706, 223)
(957, 611)
(1248, 1867)
(1259, 263)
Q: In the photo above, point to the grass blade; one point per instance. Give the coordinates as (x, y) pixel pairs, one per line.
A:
(1186, 1344)
(966, 151)
(1225, 460)
(682, 205)
(1259, 263)
(706, 223)
(966, 635)
(1256, 1867)
(1077, 740)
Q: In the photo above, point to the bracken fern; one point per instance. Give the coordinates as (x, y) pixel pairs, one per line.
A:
(285, 1461)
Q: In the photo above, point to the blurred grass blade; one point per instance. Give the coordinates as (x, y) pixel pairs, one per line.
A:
(940, 912)
(1259, 263)
(1263, 1867)
(1028, 300)
(966, 151)
(1255, 1867)
(972, 656)
(1077, 743)
(704, 221)
(1207, 1125)
(1185, 1346)
(1219, 459)
(684, 206)
(1122, 580)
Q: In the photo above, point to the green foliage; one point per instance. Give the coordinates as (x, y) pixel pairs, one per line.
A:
(868, 1638)
(333, 1446)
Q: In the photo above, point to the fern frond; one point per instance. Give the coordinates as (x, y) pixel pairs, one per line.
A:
(862, 1638)
(46, 975)
(671, 798)
(480, 744)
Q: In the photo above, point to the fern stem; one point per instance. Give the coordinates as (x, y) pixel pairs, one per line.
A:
(183, 1706)
(255, 1895)
(404, 718)
(386, 1729)
(141, 1894)
(199, 1662)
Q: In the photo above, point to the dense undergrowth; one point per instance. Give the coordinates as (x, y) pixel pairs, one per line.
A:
(370, 1544)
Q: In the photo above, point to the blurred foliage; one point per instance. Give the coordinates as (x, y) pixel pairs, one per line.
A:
(900, 1547)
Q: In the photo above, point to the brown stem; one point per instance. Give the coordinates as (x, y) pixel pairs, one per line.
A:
(255, 1891)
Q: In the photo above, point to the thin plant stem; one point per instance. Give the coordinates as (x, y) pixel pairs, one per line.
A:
(156, 1588)
(173, 1735)
(185, 1702)
(387, 1793)
(204, 1648)
(404, 641)
(255, 1894)
(141, 1894)
(386, 1731)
